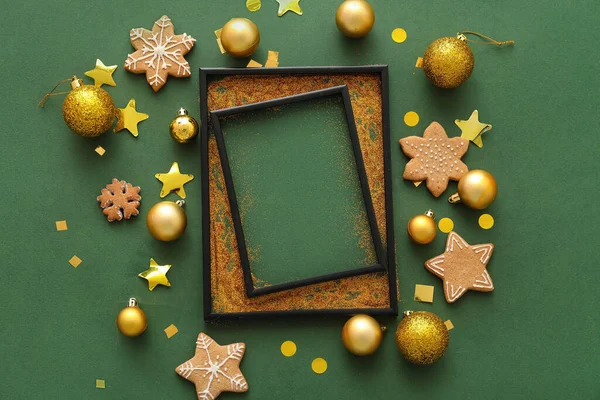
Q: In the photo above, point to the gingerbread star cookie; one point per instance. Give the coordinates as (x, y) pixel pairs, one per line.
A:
(214, 369)
(435, 158)
(462, 267)
(159, 53)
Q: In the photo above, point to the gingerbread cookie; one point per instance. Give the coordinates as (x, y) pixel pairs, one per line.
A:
(120, 199)
(435, 158)
(214, 369)
(159, 53)
(462, 267)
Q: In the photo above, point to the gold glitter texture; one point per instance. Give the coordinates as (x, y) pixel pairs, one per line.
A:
(88, 110)
(448, 62)
(422, 337)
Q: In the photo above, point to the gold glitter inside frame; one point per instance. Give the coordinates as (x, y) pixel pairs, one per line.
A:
(228, 294)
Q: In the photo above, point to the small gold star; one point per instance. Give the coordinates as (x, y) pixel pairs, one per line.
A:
(289, 5)
(102, 74)
(472, 129)
(128, 118)
(173, 181)
(156, 275)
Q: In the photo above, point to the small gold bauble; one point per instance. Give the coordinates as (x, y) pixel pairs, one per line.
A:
(477, 189)
(183, 128)
(362, 335)
(355, 18)
(88, 110)
(240, 37)
(448, 62)
(167, 220)
(421, 228)
(132, 320)
(422, 337)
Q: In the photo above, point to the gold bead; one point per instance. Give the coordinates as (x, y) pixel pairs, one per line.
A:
(422, 337)
(183, 128)
(132, 320)
(167, 220)
(240, 37)
(448, 62)
(421, 228)
(362, 335)
(88, 110)
(355, 18)
(477, 189)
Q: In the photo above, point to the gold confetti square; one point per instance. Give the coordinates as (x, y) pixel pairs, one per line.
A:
(253, 64)
(75, 261)
(218, 35)
(419, 63)
(61, 225)
(100, 384)
(417, 183)
(424, 293)
(171, 331)
(272, 59)
(100, 150)
(449, 325)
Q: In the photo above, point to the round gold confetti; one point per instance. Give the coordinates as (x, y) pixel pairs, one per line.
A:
(446, 225)
(319, 365)
(411, 118)
(253, 5)
(398, 35)
(486, 221)
(288, 348)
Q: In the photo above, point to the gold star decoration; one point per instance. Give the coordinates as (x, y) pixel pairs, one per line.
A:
(102, 74)
(472, 129)
(289, 5)
(128, 118)
(156, 275)
(173, 181)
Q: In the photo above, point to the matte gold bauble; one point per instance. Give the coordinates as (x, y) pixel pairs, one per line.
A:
(240, 37)
(183, 128)
(448, 62)
(362, 335)
(132, 320)
(167, 220)
(477, 189)
(88, 110)
(355, 18)
(421, 228)
(422, 337)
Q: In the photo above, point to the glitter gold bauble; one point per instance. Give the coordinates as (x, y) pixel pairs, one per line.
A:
(477, 189)
(355, 18)
(240, 37)
(422, 337)
(183, 128)
(88, 110)
(132, 320)
(448, 62)
(421, 228)
(167, 220)
(362, 335)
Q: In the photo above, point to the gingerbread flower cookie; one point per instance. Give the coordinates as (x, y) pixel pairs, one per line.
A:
(119, 199)
(435, 158)
(462, 267)
(159, 53)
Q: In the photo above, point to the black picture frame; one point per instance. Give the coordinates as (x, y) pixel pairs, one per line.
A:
(252, 290)
(382, 71)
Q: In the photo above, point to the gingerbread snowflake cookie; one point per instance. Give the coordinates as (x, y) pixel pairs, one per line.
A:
(120, 199)
(462, 267)
(435, 158)
(159, 53)
(214, 369)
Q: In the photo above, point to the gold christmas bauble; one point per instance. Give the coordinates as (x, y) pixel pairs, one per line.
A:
(240, 37)
(167, 220)
(132, 320)
(362, 335)
(355, 18)
(88, 110)
(183, 128)
(422, 337)
(448, 62)
(477, 189)
(421, 228)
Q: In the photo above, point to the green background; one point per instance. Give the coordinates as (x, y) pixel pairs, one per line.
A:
(535, 336)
